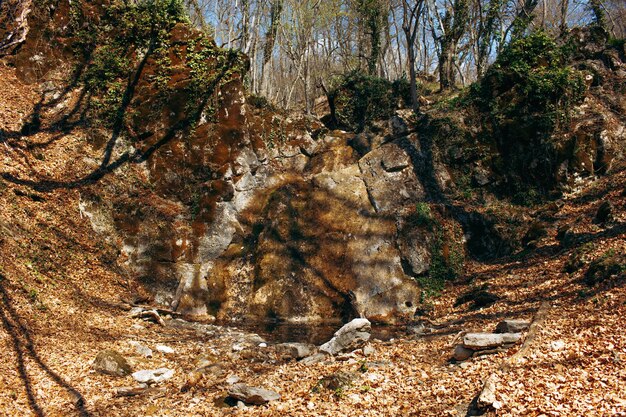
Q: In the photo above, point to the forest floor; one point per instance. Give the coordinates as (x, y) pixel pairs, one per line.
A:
(60, 306)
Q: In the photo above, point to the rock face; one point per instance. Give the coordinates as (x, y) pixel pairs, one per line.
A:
(111, 362)
(252, 395)
(350, 337)
(390, 179)
(223, 210)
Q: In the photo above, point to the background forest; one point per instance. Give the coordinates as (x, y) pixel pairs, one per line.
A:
(297, 48)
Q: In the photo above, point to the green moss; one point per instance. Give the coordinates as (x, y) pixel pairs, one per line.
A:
(446, 250)
(359, 99)
(127, 38)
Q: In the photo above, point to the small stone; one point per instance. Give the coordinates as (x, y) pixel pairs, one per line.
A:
(461, 353)
(252, 395)
(368, 350)
(296, 350)
(237, 348)
(153, 376)
(338, 381)
(111, 362)
(164, 349)
(131, 391)
(314, 359)
(262, 345)
(558, 345)
(141, 349)
(512, 326)
(232, 379)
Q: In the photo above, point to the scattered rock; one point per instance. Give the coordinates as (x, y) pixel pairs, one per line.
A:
(232, 379)
(337, 381)
(252, 395)
(131, 391)
(606, 266)
(462, 353)
(164, 349)
(296, 350)
(487, 398)
(350, 337)
(535, 232)
(481, 341)
(512, 326)
(368, 350)
(565, 235)
(479, 298)
(604, 213)
(141, 349)
(111, 362)
(153, 376)
(313, 359)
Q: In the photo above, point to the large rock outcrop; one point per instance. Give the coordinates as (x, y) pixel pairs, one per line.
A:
(218, 207)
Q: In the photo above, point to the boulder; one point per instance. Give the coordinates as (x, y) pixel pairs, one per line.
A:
(512, 326)
(252, 395)
(350, 337)
(153, 376)
(296, 350)
(111, 362)
(482, 341)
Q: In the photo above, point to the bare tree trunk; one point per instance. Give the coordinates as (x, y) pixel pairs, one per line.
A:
(563, 23)
(410, 27)
(598, 13)
(276, 9)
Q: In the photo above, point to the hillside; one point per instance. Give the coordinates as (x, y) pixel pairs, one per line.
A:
(229, 216)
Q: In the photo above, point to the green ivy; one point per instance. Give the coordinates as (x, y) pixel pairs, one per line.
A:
(359, 99)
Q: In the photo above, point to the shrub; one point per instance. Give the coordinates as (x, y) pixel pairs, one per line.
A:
(358, 99)
(608, 265)
(525, 97)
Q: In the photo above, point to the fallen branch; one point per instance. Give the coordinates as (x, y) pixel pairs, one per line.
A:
(149, 315)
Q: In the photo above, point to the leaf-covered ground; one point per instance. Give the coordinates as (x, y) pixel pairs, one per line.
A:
(60, 306)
